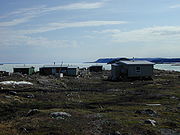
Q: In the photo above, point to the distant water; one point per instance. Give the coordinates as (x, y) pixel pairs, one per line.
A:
(9, 67)
(168, 67)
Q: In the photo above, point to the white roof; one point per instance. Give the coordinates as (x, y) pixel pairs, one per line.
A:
(140, 62)
(52, 66)
(24, 67)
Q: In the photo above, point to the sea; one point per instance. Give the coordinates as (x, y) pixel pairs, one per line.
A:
(9, 67)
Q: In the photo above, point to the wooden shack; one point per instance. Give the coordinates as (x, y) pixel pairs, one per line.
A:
(53, 70)
(24, 70)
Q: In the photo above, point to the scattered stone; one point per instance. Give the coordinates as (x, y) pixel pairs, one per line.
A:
(149, 121)
(92, 116)
(165, 131)
(115, 133)
(60, 115)
(7, 97)
(153, 104)
(32, 112)
(12, 93)
(173, 97)
(23, 130)
(30, 96)
(147, 111)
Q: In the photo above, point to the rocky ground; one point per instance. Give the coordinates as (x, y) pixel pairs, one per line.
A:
(90, 105)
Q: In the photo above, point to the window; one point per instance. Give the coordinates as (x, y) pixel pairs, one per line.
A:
(138, 69)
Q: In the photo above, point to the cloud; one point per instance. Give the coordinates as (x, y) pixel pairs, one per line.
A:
(56, 26)
(163, 34)
(74, 6)
(44, 9)
(25, 14)
(175, 6)
(10, 38)
(15, 22)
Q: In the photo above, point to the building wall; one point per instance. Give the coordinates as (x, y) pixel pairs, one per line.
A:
(123, 70)
(145, 70)
(115, 72)
(31, 70)
(72, 71)
(45, 71)
(95, 68)
(27, 71)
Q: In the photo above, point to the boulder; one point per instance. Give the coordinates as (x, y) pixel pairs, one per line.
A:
(149, 121)
(30, 96)
(147, 111)
(60, 115)
(12, 93)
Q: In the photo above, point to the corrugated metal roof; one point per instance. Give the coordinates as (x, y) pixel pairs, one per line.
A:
(142, 62)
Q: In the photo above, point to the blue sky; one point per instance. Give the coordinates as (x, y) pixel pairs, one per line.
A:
(84, 30)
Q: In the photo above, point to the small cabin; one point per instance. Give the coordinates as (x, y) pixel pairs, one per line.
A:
(132, 69)
(24, 70)
(52, 70)
(96, 68)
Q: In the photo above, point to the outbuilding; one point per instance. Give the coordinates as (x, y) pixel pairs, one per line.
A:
(132, 69)
(53, 70)
(24, 70)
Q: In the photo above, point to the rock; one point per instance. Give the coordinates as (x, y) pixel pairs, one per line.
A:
(60, 115)
(150, 112)
(165, 131)
(153, 104)
(115, 133)
(149, 121)
(7, 97)
(147, 111)
(12, 93)
(30, 96)
(32, 112)
(23, 130)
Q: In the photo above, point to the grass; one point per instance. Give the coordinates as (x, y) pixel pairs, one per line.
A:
(97, 106)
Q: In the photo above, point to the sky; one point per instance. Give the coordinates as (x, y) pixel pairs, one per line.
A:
(41, 31)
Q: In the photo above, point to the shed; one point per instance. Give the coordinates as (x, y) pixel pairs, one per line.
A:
(53, 69)
(96, 68)
(132, 69)
(24, 70)
(72, 71)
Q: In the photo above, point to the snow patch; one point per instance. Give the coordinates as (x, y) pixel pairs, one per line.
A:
(16, 83)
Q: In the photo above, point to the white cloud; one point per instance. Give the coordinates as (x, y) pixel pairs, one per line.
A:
(14, 38)
(164, 34)
(175, 6)
(82, 5)
(15, 22)
(44, 9)
(25, 14)
(56, 26)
